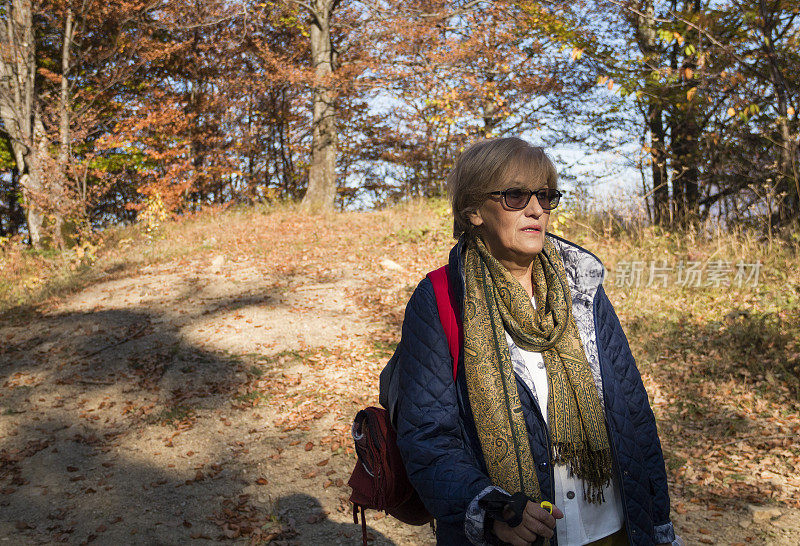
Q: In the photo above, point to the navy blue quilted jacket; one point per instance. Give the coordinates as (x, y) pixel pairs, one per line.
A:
(436, 432)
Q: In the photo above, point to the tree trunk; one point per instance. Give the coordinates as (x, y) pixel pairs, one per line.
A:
(33, 188)
(491, 117)
(685, 136)
(658, 165)
(64, 126)
(643, 20)
(321, 192)
(787, 183)
(64, 135)
(17, 109)
(684, 133)
(15, 217)
(693, 131)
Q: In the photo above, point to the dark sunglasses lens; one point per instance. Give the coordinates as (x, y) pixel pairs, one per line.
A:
(517, 198)
(548, 199)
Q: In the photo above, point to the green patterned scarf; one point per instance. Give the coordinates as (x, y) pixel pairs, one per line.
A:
(495, 302)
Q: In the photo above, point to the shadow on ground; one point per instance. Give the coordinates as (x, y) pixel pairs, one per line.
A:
(307, 517)
(729, 392)
(92, 411)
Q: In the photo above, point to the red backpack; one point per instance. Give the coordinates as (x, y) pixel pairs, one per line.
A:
(379, 479)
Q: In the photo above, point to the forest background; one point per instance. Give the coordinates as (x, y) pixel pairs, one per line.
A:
(183, 346)
(112, 109)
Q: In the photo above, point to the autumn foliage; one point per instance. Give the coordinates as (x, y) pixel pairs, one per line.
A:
(348, 103)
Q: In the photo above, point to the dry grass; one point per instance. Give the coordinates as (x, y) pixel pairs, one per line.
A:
(35, 278)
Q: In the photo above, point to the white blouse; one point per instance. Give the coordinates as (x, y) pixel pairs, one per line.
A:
(583, 522)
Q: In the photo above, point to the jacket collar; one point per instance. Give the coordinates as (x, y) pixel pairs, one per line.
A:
(585, 271)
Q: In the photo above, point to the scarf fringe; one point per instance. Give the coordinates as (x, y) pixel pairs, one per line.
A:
(592, 467)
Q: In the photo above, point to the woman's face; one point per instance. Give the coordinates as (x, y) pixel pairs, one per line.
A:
(514, 236)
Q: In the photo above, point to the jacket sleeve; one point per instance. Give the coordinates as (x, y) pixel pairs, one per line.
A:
(644, 424)
(429, 434)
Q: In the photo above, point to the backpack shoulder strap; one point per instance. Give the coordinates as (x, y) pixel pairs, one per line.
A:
(447, 313)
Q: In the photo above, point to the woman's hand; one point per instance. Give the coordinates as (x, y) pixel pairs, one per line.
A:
(536, 522)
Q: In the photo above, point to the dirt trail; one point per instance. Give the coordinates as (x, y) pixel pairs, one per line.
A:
(154, 409)
(209, 400)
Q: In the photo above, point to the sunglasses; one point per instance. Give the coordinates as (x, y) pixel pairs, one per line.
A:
(518, 198)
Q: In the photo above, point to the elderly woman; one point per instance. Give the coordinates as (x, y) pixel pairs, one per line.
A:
(548, 404)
